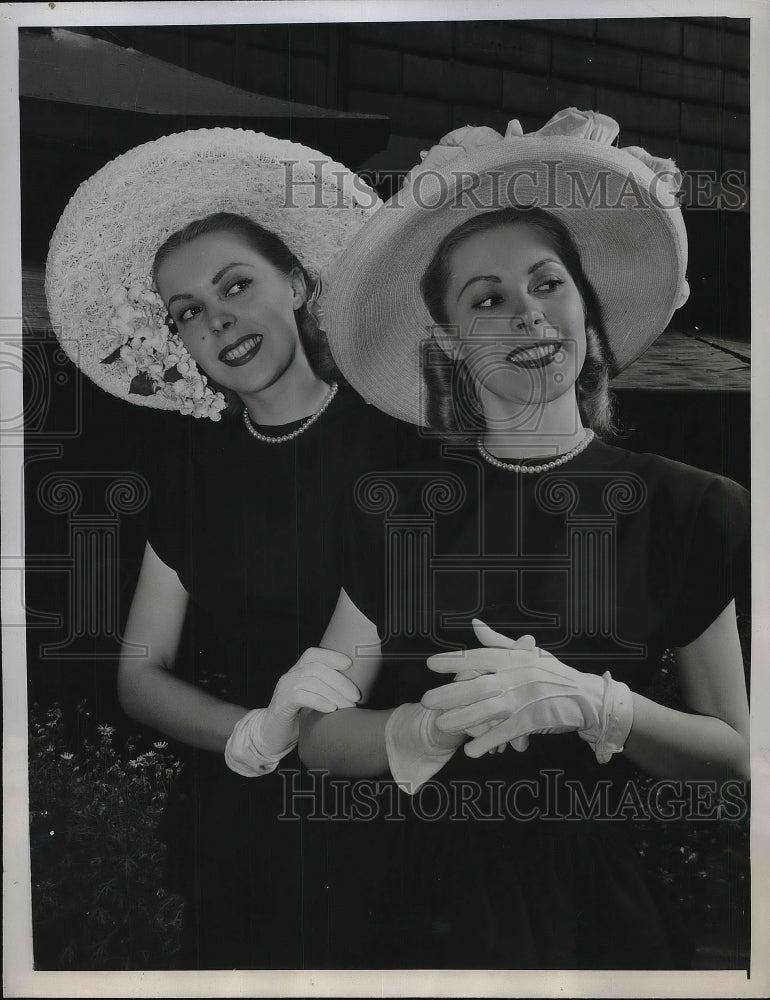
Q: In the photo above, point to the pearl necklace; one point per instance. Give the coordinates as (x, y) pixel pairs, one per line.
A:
(269, 439)
(546, 466)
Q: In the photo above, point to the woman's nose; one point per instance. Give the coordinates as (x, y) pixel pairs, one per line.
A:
(221, 321)
(528, 322)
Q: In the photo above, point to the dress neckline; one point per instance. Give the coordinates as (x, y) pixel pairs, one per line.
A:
(593, 446)
(278, 430)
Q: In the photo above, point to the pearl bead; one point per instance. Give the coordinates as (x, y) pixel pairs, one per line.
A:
(268, 439)
(509, 467)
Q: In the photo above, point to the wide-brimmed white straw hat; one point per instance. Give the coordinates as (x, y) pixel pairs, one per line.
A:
(620, 207)
(102, 306)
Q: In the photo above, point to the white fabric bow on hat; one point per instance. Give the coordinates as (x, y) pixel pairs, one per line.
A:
(571, 122)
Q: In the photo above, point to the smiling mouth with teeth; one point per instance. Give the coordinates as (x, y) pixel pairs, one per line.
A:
(534, 355)
(241, 352)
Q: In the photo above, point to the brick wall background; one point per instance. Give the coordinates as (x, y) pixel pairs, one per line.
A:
(678, 86)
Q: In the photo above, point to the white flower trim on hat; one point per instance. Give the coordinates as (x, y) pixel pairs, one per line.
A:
(110, 320)
(636, 260)
(152, 356)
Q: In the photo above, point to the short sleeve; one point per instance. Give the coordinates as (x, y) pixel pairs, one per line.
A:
(717, 567)
(169, 498)
(361, 554)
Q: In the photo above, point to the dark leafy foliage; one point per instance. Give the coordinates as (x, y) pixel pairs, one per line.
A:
(112, 357)
(700, 865)
(142, 385)
(97, 900)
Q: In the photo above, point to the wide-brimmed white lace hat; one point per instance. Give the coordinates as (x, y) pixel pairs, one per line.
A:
(620, 207)
(101, 302)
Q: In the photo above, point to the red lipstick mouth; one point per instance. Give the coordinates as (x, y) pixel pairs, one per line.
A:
(242, 351)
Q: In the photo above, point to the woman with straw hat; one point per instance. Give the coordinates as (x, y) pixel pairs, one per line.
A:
(539, 569)
(180, 277)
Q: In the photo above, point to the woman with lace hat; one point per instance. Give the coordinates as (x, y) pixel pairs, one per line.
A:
(179, 277)
(546, 570)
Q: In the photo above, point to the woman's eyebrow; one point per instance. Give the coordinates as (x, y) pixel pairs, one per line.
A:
(493, 277)
(545, 260)
(479, 277)
(217, 277)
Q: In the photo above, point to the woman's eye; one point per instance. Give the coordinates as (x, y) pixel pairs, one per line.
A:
(238, 286)
(188, 314)
(549, 285)
(488, 303)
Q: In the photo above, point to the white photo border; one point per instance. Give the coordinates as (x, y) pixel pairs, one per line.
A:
(19, 978)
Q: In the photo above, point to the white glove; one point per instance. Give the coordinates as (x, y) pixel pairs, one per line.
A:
(491, 638)
(522, 691)
(263, 736)
(416, 748)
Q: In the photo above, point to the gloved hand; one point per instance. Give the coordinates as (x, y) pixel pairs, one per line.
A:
(416, 748)
(263, 736)
(522, 691)
(488, 637)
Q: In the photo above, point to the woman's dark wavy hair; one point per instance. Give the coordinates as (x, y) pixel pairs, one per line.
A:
(273, 249)
(450, 386)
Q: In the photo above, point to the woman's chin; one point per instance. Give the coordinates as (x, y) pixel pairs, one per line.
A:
(246, 381)
(532, 395)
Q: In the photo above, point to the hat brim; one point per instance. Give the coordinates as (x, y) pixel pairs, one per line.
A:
(118, 218)
(628, 230)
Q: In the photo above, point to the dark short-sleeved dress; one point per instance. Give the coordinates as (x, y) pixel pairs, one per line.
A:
(249, 528)
(503, 862)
